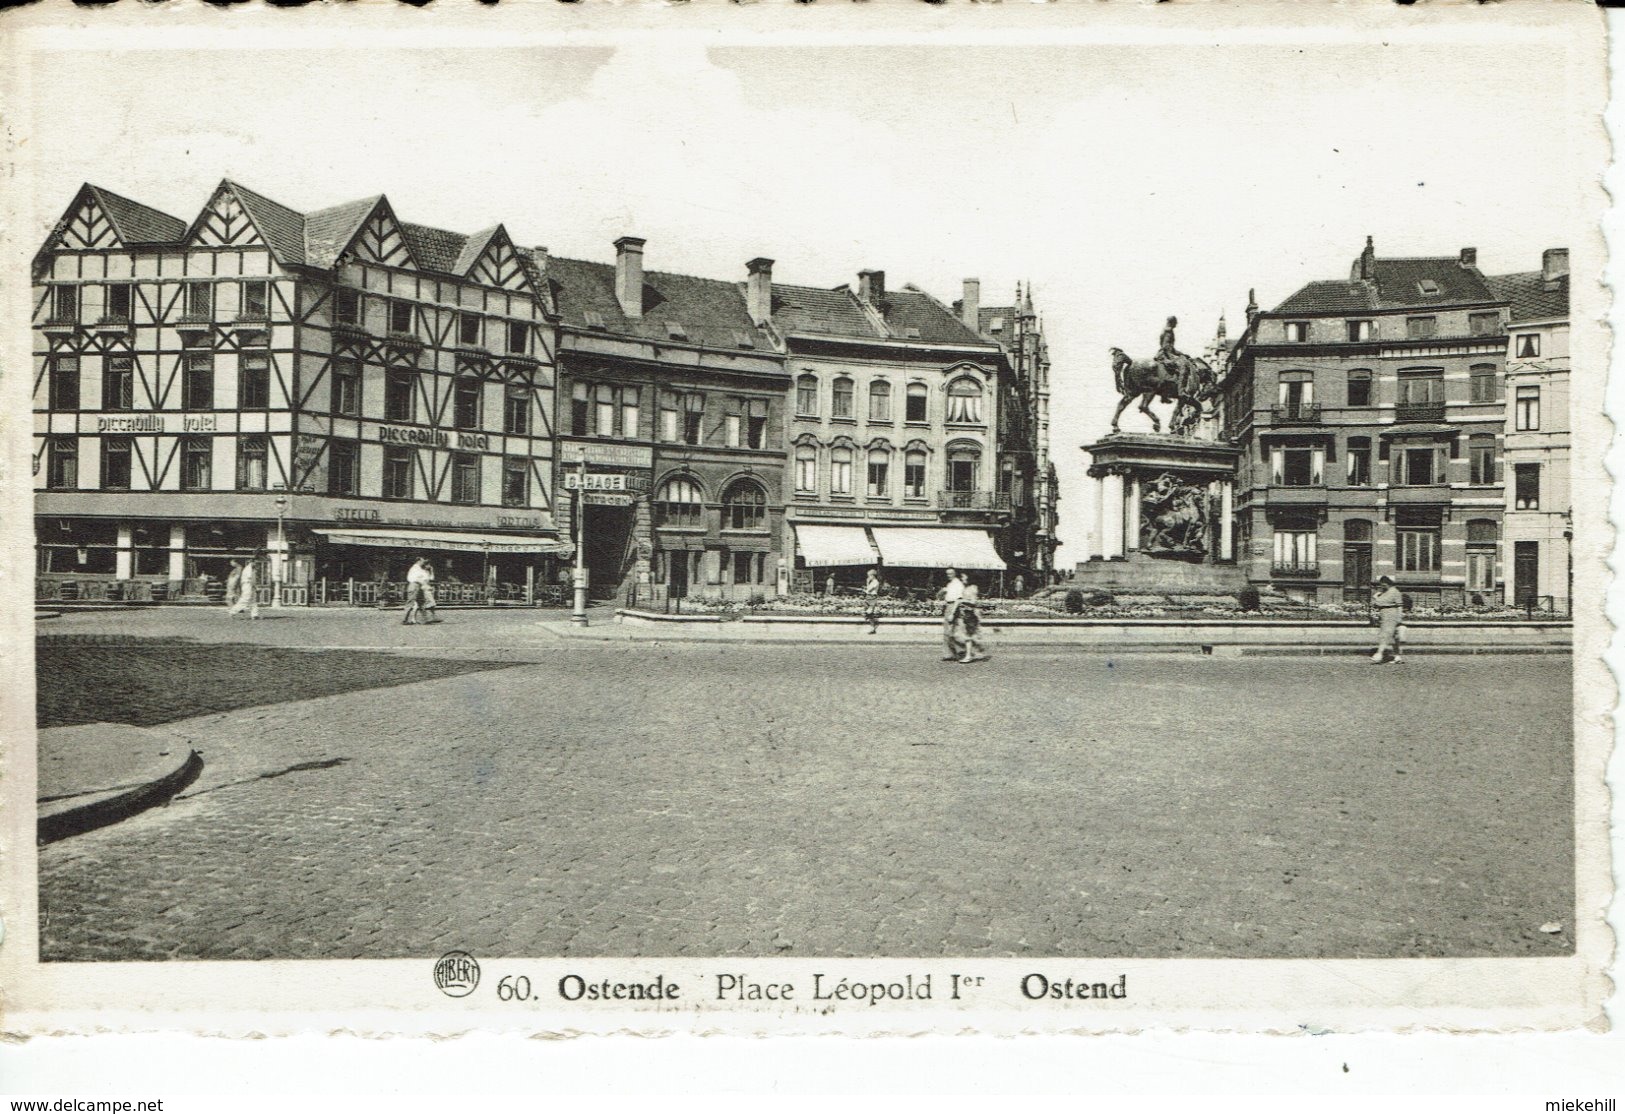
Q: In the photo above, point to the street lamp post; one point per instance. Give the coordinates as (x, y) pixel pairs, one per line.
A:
(578, 615)
(277, 570)
(485, 574)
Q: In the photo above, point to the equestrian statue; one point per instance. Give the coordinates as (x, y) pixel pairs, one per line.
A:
(1171, 376)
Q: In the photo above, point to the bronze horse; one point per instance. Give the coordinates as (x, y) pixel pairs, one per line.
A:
(1147, 379)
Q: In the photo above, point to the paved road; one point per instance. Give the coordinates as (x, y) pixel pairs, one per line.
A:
(622, 799)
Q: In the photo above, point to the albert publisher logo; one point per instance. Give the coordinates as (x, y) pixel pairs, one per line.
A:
(457, 974)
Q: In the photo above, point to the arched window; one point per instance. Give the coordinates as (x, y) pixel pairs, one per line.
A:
(879, 477)
(914, 474)
(840, 471)
(918, 399)
(744, 506)
(964, 466)
(679, 503)
(965, 401)
(880, 401)
(841, 399)
(806, 469)
(807, 396)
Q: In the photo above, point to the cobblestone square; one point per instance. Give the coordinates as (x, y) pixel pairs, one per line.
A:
(601, 799)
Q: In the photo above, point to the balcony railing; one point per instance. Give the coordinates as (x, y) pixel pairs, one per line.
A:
(973, 500)
(1296, 569)
(1297, 413)
(1419, 412)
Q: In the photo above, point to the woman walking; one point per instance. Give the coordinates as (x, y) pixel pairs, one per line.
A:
(871, 600)
(969, 623)
(1389, 605)
(247, 582)
(416, 581)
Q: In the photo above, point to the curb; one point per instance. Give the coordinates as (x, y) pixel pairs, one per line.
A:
(103, 811)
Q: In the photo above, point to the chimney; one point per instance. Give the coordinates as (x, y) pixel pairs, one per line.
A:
(1554, 264)
(872, 286)
(759, 290)
(1252, 306)
(970, 310)
(1365, 268)
(629, 275)
(1469, 257)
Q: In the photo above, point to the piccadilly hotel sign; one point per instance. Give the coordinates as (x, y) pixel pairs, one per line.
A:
(157, 423)
(433, 438)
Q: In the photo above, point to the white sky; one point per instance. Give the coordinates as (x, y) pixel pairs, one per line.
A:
(1126, 183)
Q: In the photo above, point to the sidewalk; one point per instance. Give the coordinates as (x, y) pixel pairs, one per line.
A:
(97, 774)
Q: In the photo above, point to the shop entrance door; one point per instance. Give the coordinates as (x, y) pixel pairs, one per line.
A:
(677, 577)
(609, 532)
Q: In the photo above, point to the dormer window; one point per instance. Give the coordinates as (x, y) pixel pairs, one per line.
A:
(675, 331)
(1428, 287)
(743, 339)
(594, 319)
(996, 325)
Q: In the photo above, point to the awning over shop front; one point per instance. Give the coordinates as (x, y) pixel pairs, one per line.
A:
(924, 547)
(447, 541)
(834, 545)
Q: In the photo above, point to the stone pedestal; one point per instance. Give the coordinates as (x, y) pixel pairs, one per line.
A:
(1165, 503)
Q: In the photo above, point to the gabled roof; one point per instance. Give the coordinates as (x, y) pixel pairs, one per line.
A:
(912, 314)
(1395, 284)
(474, 247)
(813, 309)
(435, 249)
(282, 228)
(1532, 298)
(134, 222)
(709, 311)
(329, 231)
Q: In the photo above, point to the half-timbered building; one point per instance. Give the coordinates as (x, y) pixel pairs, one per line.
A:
(334, 393)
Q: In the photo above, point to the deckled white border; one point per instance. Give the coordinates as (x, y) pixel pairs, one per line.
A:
(378, 997)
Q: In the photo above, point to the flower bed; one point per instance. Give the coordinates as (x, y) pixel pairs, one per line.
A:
(1138, 606)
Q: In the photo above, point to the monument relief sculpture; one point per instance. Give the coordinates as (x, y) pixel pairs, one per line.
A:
(1174, 518)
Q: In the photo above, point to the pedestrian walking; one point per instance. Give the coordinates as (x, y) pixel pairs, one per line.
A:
(950, 594)
(969, 622)
(871, 600)
(1389, 605)
(234, 581)
(247, 582)
(1021, 586)
(428, 602)
(829, 585)
(416, 578)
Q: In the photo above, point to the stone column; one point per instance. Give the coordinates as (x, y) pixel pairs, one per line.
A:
(1227, 539)
(1131, 540)
(1112, 518)
(124, 557)
(1096, 517)
(177, 551)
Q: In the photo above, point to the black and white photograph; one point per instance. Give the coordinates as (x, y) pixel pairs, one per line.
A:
(917, 526)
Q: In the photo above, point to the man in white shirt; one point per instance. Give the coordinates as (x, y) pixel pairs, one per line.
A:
(417, 592)
(950, 595)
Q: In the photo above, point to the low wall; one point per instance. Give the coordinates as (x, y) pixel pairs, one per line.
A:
(1172, 633)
